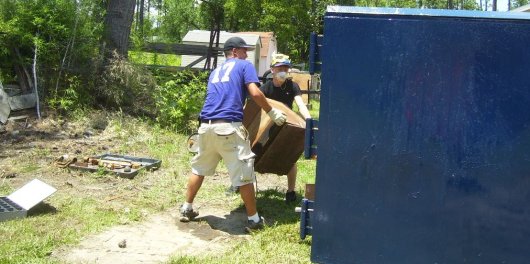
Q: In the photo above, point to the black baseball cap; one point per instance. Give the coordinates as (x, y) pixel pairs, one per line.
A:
(236, 42)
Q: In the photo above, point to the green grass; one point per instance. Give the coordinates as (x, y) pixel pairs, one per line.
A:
(72, 215)
(148, 58)
(29, 168)
(279, 243)
(307, 168)
(315, 109)
(32, 239)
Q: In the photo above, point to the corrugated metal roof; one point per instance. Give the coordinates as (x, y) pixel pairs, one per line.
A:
(202, 37)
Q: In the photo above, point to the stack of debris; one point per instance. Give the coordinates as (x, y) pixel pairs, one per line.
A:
(121, 165)
(13, 99)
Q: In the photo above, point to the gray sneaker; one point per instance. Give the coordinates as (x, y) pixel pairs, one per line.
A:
(253, 226)
(187, 215)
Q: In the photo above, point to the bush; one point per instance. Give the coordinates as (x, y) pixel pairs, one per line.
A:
(179, 99)
(73, 98)
(128, 87)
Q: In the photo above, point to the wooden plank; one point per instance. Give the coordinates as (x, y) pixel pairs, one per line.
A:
(14, 118)
(168, 68)
(5, 109)
(180, 49)
(23, 101)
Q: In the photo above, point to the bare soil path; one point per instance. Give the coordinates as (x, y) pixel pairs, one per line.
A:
(159, 237)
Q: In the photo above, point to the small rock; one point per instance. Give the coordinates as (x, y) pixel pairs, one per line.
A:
(122, 244)
(77, 151)
(88, 133)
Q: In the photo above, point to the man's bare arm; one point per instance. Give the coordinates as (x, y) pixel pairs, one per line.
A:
(258, 97)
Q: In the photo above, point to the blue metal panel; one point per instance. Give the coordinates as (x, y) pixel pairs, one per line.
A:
(424, 138)
(306, 212)
(315, 44)
(310, 140)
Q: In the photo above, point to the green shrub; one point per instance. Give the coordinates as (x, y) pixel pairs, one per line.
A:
(179, 99)
(74, 97)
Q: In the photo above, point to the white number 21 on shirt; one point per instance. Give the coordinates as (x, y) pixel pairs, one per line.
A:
(225, 69)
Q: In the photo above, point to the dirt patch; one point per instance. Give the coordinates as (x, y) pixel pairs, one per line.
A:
(159, 237)
(27, 150)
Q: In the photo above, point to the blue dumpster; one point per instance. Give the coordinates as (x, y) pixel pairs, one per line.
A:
(424, 137)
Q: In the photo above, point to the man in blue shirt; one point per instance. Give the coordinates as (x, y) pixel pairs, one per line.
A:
(221, 133)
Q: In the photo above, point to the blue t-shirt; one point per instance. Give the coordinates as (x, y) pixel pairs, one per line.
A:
(227, 90)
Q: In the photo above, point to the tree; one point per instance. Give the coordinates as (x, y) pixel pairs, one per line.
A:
(289, 20)
(118, 22)
(140, 8)
(243, 19)
(518, 3)
(180, 16)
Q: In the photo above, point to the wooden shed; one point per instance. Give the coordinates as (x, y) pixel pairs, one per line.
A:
(202, 37)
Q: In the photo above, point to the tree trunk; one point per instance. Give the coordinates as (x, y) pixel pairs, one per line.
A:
(118, 22)
(141, 17)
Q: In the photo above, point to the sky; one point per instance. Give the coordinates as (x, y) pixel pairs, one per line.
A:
(502, 5)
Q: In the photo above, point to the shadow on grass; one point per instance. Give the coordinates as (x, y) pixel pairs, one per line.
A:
(232, 223)
(41, 209)
(272, 206)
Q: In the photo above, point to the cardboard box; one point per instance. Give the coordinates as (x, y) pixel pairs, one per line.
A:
(303, 79)
(310, 191)
(277, 148)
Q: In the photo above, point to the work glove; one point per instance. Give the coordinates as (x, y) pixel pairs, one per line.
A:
(277, 116)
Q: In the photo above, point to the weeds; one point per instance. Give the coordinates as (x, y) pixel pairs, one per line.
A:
(179, 99)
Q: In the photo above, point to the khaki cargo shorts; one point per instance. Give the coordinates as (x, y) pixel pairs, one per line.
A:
(227, 141)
